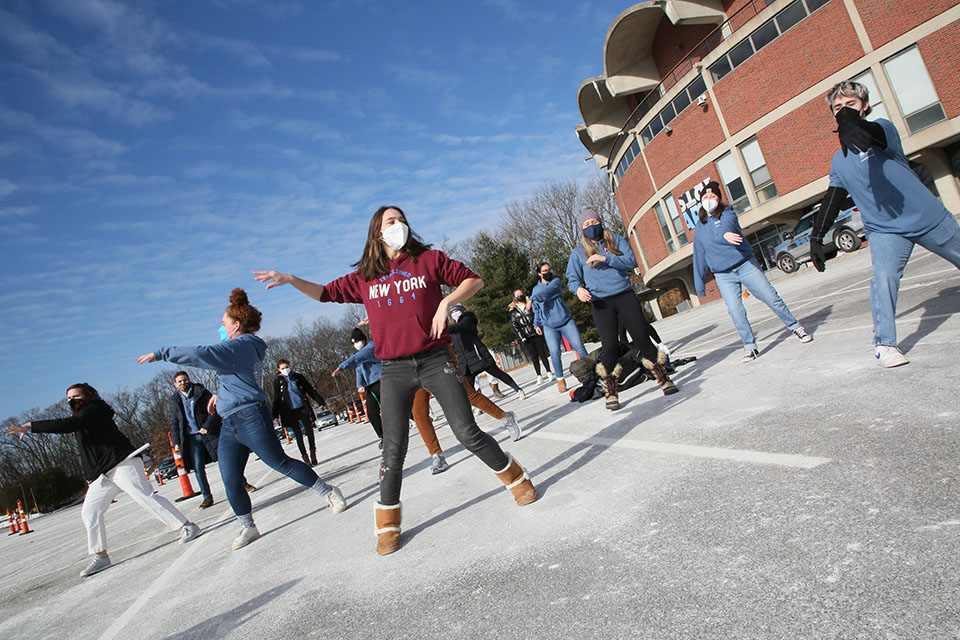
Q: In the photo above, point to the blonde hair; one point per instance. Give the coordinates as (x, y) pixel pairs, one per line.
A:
(590, 246)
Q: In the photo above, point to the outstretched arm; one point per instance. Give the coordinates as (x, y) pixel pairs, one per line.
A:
(464, 291)
(275, 279)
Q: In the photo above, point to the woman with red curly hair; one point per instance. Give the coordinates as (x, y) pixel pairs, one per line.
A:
(245, 408)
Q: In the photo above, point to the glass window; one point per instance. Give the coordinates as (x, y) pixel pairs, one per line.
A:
(791, 16)
(681, 102)
(697, 88)
(765, 35)
(759, 172)
(655, 126)
(678, 227)
(914, 91)
(646, 135)
(877, 110)
(664, 227)
(813, 5)
(740, 53)
(720, 68)
(731, 179)
(667, 114)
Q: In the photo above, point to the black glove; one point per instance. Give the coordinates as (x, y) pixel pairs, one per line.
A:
(851, 131)
(816, 255)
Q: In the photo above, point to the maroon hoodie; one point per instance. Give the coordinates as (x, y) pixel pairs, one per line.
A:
(402, 303)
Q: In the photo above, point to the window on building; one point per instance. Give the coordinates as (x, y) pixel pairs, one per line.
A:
(764, 35)
(877, 110)
(790, 16)
(913, 89)
(683, 99)
(676, 220)
(759, 172)
(664, 228)
(628, 157)
(813, 5)
(731, 179)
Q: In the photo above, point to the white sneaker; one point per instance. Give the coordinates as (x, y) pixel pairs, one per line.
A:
(509, 422)
(100, 562)
(188, 532)
(523, 396)
(889, 356)
(663, 347)
(245, 536)
(335, 501)
(550, 376)
(539, 379)
(439, 464)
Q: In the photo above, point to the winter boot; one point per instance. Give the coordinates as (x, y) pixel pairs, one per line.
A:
(561, 385)
(388, 527)
(496, 390)
(659, 370)
(518, 482)
(313, 458)
(610, 382)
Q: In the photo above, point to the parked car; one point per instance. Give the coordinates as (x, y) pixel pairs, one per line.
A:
(168, 468)
(326, 418)
(846, 235)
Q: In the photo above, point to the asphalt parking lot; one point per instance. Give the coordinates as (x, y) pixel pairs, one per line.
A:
(810, 494)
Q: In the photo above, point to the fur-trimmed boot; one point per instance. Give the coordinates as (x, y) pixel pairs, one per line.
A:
(659, 370)
(518, 482)
(388, 527)
(610, 382)
(561, 385)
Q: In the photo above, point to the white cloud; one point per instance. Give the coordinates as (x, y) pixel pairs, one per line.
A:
(6, 188)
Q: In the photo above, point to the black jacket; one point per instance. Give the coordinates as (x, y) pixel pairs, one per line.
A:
(102, 445)
(472, 355)
(281, 396)
(521, 319)
(179, 428)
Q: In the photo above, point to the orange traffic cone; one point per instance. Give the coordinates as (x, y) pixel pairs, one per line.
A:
(185, 485)
(159, 478)
(24, 527)
(287, 434)
(13, 525)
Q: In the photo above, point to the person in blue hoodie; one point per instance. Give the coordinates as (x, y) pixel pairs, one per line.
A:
(552, 319)
(245, 409)
(368, 369)
(598, 272)
(719, 247)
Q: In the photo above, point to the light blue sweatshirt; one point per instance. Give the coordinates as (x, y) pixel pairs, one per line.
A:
(549, 309)
(366, 363)
(712, 252)
(237, 363)
(608, 278)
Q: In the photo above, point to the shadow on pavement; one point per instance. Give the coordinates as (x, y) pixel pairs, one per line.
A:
(227, 622)
(945, 302)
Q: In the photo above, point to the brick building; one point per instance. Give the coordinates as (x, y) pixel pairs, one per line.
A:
(733, 90)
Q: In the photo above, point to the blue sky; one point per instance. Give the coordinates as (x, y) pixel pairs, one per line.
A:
(153, 153)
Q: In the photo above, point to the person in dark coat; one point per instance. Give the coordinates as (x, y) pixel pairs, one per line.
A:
(524, 326)
(192, 431)
(473, 356)
(291, 405)
(109, 466)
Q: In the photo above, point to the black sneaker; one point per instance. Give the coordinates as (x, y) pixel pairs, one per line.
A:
(750, 356)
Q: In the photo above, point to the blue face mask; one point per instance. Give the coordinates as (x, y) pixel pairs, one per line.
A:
(223, 334)
(593, 231)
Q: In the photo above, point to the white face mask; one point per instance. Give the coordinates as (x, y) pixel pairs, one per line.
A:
(456, 315)
(358, 345)
(396, 235)
(285, 371)
(709, 205)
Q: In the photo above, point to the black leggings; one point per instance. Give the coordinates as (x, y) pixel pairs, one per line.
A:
(608, 314)
(373, 407)
(536, 349)
(497, 373)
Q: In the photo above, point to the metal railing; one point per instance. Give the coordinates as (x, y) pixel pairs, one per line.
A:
(713, 40)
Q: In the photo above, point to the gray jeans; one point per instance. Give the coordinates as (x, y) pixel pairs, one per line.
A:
(436, 372)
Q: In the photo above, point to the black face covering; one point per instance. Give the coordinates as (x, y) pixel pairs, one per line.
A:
(547, 277)
(76, 404)
(521, 298)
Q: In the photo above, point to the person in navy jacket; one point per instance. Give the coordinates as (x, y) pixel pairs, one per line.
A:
(193, 433)
(291, 404)
(719, 247)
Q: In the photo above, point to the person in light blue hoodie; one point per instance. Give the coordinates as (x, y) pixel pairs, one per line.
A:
(244, 407)
(368, 370)
(552, 319)
(719, 247)
(598, 272)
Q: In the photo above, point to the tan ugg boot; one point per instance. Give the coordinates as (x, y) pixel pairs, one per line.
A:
(659, 370)
(561, 385)
(610, 382)
(388, 527)
(518, 482)
(496, 390)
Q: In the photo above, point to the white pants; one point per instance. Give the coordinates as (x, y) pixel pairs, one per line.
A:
(128, 476)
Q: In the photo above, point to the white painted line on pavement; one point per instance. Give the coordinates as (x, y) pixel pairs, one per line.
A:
(741, 455)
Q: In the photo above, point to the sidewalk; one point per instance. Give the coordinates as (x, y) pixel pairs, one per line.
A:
(810, 494)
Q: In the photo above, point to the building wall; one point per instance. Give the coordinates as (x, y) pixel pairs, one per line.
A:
(648, 231)
(695, 131)
(884, 20)
(805, 133)
(765, 81)
(673, 42)
(635, 189)
(940, 54)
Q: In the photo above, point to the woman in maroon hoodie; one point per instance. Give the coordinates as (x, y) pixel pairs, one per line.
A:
(398, 281)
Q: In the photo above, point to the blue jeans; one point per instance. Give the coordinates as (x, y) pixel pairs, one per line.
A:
(251, 429)
(750, 275)
(889, 253)
(198, 457)
(568, 331)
